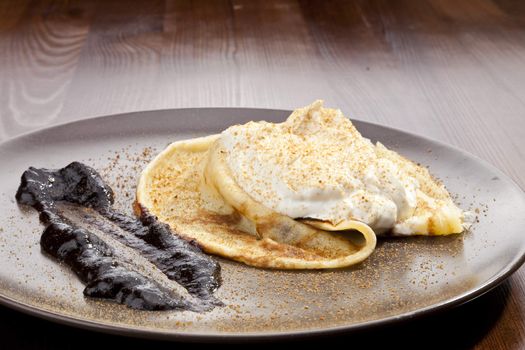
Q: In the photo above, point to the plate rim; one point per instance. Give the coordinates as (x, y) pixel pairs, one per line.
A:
(153, 333)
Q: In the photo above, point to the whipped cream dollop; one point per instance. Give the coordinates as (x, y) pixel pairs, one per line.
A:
(317, 165)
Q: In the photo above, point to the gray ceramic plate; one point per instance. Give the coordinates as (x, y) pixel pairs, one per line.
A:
(403, 278)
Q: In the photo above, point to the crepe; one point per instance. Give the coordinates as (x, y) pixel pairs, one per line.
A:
(308, 193)
(184, 187)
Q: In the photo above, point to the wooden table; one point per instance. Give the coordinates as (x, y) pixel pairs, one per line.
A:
(450, 70)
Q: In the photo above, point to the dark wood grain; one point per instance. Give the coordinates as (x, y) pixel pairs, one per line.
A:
(450, 70)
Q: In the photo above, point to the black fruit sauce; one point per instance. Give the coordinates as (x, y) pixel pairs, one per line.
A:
(104, 272)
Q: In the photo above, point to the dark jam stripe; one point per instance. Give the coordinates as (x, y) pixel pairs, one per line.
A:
(177, 258)
(94, 261)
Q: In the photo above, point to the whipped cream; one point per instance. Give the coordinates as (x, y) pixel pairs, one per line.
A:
(317, 165)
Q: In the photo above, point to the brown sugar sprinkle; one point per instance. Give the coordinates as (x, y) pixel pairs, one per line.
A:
(122, 170)
(259, 300)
